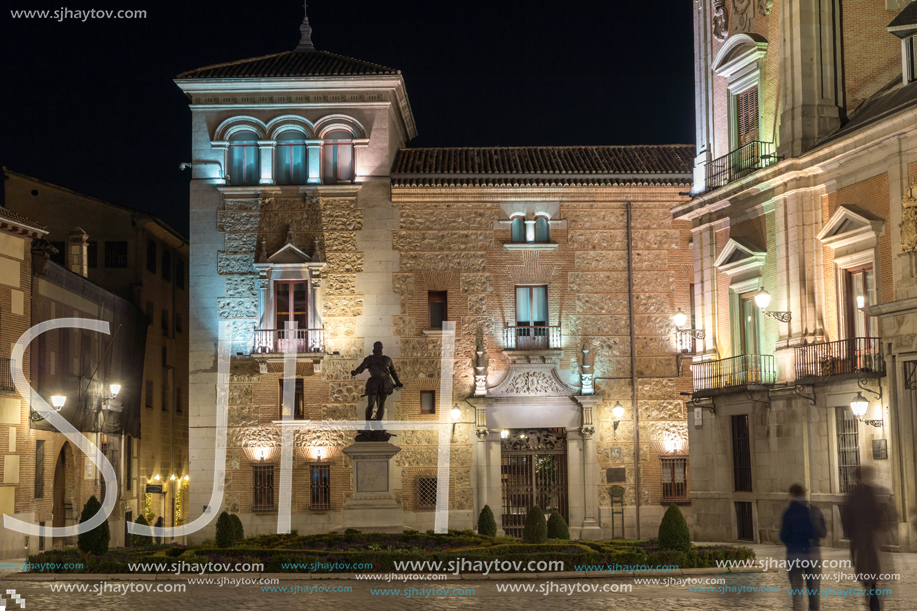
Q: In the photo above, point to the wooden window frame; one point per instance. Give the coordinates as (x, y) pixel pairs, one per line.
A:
(851, 310)
(437, 297)
(431, 393)
(299, 399)
(547, 230)
(291, 313)
(547, 304)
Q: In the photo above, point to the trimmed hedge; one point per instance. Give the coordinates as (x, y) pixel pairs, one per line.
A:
(141, 540)
(673, 531)
(95, 542)
(557, 527)
(238, 530)
(487, 524)
(535, 531)
(226, 532)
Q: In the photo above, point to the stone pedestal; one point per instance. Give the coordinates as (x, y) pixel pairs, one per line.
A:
(373, 507)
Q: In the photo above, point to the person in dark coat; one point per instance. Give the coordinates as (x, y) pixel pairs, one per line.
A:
(160, 523)
(797, 532)
(864, 526)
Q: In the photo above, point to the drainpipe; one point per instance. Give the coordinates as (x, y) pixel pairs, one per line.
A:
(633, 365)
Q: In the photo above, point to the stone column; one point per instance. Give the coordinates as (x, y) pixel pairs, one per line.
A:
(589, 469)
(266, 154)
(488, 482)
(314, 161)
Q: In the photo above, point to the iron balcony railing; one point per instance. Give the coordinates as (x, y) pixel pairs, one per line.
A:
(848, 356)
(745, 370)
(6, 375)
(300, 341)
(532, 338)
(739, 163)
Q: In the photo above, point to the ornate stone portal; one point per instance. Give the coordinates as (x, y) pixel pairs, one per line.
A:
(373, 507)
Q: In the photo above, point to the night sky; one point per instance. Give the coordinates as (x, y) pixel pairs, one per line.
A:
(92, 106)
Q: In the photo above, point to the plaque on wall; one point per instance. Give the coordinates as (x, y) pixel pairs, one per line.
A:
(880, 449)
(616, 491)
(154, 488)
(617, 474)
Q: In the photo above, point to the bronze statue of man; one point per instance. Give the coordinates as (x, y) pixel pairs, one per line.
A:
(383, 380)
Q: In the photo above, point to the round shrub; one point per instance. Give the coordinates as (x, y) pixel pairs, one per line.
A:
(673, 531)
(226, 532)
(535, 531)
(141, 540)
(487, 525)
(557, 527)
(95, 541)
(238, 531)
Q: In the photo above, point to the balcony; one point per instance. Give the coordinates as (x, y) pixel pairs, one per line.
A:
(748, 372)
(739, 163)
(278, 341)
(856, 357)
(532, 338)
(6, 376)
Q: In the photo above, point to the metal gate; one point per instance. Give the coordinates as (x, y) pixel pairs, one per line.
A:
(533, 472)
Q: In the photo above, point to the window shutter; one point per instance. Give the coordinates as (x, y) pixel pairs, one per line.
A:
(747, 116)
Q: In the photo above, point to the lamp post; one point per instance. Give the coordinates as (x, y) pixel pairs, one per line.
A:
(763, 299)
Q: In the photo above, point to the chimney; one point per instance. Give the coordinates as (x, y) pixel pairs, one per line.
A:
(78, 252)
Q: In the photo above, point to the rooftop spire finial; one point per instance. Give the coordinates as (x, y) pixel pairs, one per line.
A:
(305, 42)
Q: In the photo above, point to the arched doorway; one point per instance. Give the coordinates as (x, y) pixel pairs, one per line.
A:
(64, 482)
(533, 472)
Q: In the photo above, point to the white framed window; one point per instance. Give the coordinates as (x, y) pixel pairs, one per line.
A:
(739, 61)
(531, 225)
(244, 160)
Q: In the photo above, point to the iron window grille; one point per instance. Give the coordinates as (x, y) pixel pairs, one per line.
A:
(39, 469)
(745, 529)
(115, 255)
(263, 488)
(426, 492)
(674, 479)
(741, 453)
(320, 487)
(92, 255)
(848, 448)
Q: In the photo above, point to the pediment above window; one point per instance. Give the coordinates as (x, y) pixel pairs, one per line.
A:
(851, 226)
(740, 257)
(289, 254)
(739, 53)
(290, 259)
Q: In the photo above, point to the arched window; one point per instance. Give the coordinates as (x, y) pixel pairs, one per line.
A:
(291, 158)
(243, 158)
(337, 157)
(541, 229)
(519, 229)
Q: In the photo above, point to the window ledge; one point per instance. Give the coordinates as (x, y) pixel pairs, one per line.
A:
(434, 332)
(530, 246)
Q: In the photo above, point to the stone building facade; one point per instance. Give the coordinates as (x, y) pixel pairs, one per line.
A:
(800, 188)
(144, 261)
(306, 207)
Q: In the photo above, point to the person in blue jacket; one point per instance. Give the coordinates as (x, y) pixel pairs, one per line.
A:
(798, 532)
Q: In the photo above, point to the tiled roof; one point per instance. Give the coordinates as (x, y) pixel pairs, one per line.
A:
(545, 182)
(888, 101)
(547, 162)
(290, 64)
(906, 21)
(17, 218)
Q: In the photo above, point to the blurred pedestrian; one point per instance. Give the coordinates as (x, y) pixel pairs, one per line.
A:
(864, 525)
(797, 533)
(160, 523)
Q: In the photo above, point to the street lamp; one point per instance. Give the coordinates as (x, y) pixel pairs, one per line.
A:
(115, 389)
(858, 406)
(680, 319)
(618, 412)
(58, 401)
(763, 299)
(456, 413)
(504, 434)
